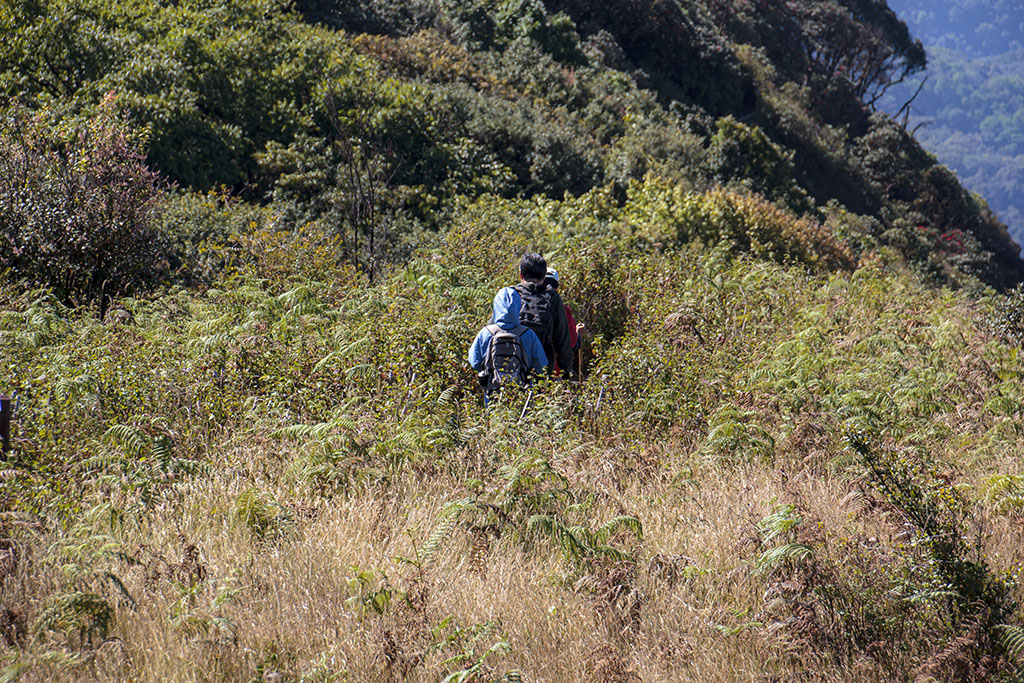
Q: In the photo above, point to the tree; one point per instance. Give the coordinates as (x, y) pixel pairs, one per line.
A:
(862, 41)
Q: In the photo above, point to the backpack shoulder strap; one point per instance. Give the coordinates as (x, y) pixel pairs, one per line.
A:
(518, 330)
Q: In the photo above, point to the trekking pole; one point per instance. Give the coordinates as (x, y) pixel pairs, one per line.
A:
(600, 396)
(487, 411)
(525, 406)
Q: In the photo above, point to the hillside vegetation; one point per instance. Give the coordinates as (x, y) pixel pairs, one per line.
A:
(247, 247)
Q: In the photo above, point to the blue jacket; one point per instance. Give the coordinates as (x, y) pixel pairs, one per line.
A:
(506, 316)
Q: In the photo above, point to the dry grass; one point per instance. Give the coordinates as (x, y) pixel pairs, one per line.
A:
(691, 608)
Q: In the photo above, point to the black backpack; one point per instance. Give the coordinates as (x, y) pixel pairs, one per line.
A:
(536, 312)
(506, 358)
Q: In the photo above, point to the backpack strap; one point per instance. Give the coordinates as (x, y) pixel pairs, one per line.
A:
(489, 358)
(518, 330)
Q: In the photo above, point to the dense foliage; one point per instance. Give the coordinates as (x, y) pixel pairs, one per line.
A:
(248, 243)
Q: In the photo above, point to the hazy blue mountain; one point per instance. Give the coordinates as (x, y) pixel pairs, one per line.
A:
(970, 109)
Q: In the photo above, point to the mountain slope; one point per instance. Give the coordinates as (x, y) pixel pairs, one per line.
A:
(248, 244)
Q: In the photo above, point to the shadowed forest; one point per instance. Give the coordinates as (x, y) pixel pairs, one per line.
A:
(247, 244)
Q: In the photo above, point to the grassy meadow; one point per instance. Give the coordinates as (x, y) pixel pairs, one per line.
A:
(767, 473)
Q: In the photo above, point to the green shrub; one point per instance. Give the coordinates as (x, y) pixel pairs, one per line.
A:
(265, 518)
(744, 153)
(78, 205)
(748, 222)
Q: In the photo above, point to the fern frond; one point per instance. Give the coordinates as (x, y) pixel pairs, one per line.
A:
(362, 371)
(449, 518)
(608, 529)
(260, 514)
(100, 462)
(783, 519)
(329, 359)
(128, 438)
(163, 451)
(1006, 493)
(447, 397)
(612, 553)
(214, 342)
(337, 427)
(299, 295)
(770, 559)
(557, 531)
(69, 389)
(1012, 638)
(407, 441)
(358, 346)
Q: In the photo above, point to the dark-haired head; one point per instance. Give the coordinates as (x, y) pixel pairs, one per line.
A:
(533, 267)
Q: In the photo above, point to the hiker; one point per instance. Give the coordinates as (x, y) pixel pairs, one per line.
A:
(576, 330)
(544, 313)
(505, 350)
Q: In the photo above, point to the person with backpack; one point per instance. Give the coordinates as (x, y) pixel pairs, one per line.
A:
(544, 313)
(576, 330)
(504, 350)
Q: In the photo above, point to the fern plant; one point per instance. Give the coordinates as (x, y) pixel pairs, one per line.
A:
(580, 545)
(372, 591)
(139, 459)
(778, 526)
(330, 456)
(261, 515)
(79, 616)
(448, 519)
(466, 642)
(531, 485)
(195, 618)
(89, 558)
(1012, 639)
(1005, 493)
(733, 435)
(938, 513)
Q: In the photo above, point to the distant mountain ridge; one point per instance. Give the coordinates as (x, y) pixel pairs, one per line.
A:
(970, 108)
(979, 28)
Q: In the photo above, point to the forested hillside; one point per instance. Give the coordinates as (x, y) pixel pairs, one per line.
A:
(969, 109)
(247, 245)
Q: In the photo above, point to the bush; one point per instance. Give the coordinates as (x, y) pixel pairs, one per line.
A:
(77, 205)
(739, 152)
(747, 221)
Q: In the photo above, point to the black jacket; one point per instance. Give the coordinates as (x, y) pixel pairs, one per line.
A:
(556, 337)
